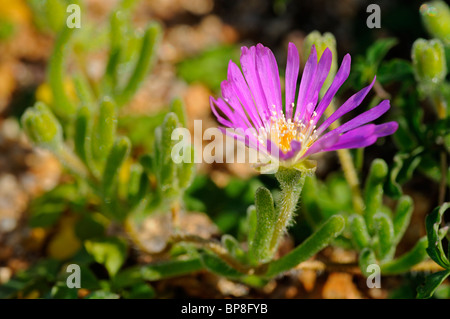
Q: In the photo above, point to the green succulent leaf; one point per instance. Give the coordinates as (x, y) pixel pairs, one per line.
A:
(332, 228)
(234, 248)
(259, 250)
(404, 263)
(360, 234)
(156, 271)
(217, 266)
(43, 128)
(435, 249)
(376, 52)
(116, 157)
(404, 166)
(385, 233)
(62, 104)
(373, 196)
(84, 90)
(104, 132)
(186, 170)
(82, 133)
(109, 251)
(366, 258)
(149, 43)
(252, 222)
(432, 282)
(402, 217)
(395, 70)
(178, 108)
(140, 291)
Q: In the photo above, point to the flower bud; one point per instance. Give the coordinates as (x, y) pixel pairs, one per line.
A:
(436, 18)
(321, 42)
(42, 127)
(429, 62)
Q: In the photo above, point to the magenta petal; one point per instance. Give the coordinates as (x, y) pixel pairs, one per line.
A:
(213, 103)
(359, 137)
(239, 115)
(341, 75)
(296, 146)
(322, 143)
(292, 67)
(275, 151)
(248, 65)
(267, 69)
(353, 102)
(242, 91)
(386, 129)
(307, 77)
(323, 68)
(363, 118)
(247, 139)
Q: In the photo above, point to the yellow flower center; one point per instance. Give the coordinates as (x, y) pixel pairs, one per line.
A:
(282, 132)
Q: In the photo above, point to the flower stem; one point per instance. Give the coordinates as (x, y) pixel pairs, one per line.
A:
(291, 182)
(348, 167)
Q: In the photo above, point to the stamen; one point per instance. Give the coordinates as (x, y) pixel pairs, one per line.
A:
(283, 131)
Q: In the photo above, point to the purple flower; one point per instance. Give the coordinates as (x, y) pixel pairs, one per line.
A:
(252, 105)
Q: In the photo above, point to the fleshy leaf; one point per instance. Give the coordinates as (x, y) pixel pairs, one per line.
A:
(110, 252)
(360, 235)
(233, 247)
(385, 232)
(156, 271)
(431, 283)
(332, 228)
(116, 157)
(366, 258)
(42, 127)
(252, 222)
(435, 249)
(218, 266)
(146, 56)
(404, 263)
(178, 108)
(266, 218)
(402, 217)
(373, 195)
(62, 104)
(105, 130)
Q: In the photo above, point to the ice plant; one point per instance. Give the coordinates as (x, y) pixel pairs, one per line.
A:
(288, 134)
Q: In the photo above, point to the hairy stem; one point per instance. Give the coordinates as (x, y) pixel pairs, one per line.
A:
(348, 167)
(291, 182)
(379, 90)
